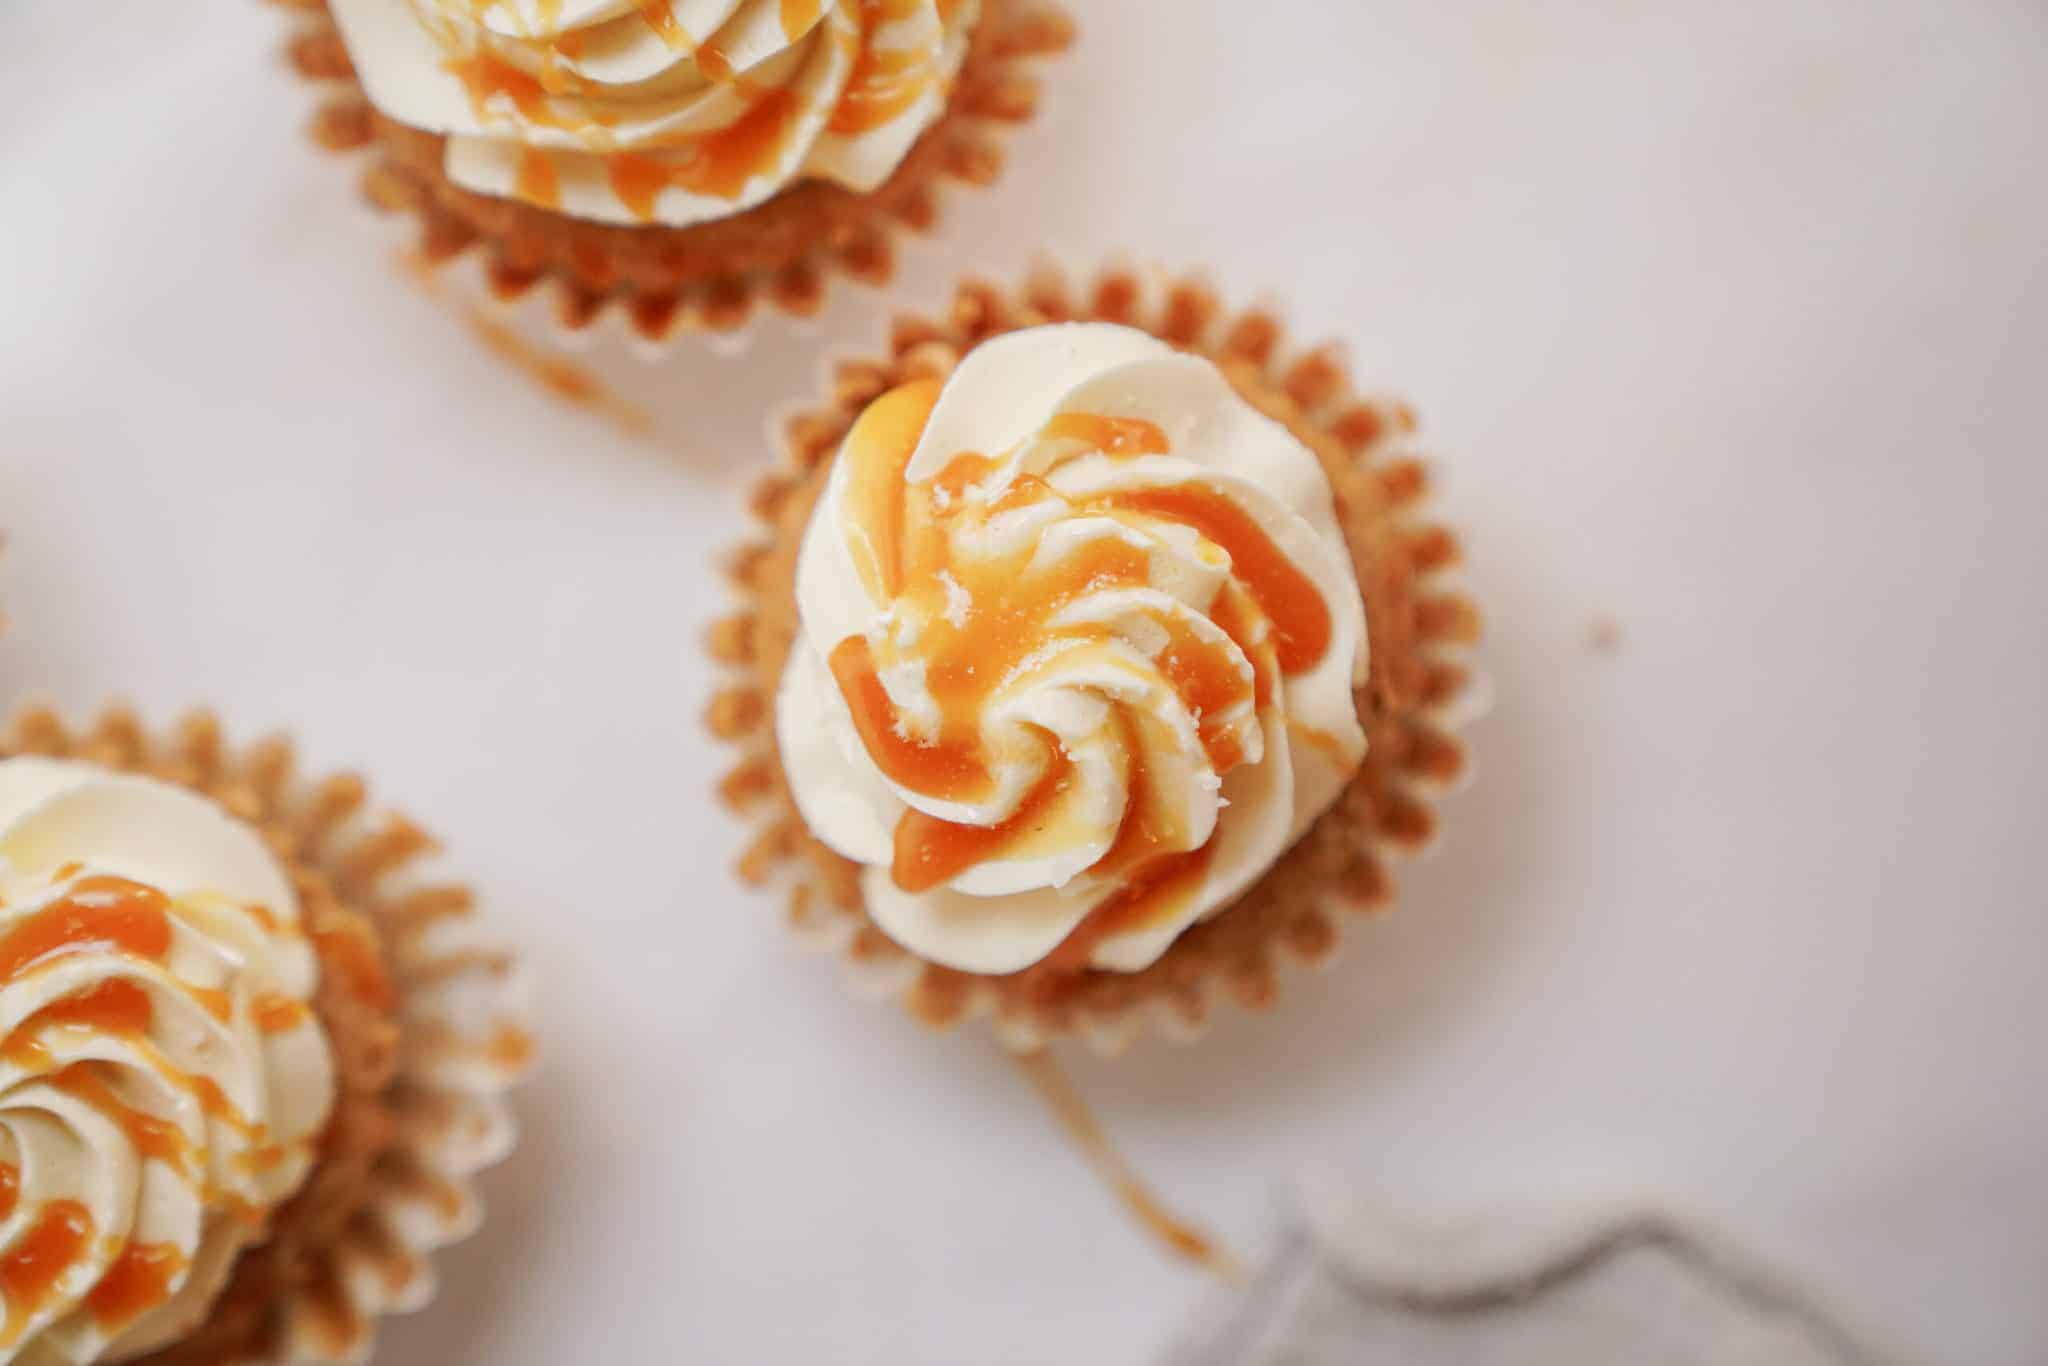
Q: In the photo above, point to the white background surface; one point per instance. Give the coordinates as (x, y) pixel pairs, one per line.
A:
(1729, 322)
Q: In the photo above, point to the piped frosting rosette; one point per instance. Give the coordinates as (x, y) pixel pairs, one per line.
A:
(163, 1076)
(660, 111)
(1078, 648)
(252, 1047)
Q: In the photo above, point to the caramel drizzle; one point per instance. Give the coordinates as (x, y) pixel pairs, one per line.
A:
(719, 163)
(111, 914)
(536, 181)
(32, 1269)
(1173, 1233)
(95, 913)
(981, 621)
(799, 15)
(139, 1280)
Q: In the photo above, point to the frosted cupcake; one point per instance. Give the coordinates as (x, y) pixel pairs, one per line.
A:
(1095, 660)
(684, 159)
(248, 1062)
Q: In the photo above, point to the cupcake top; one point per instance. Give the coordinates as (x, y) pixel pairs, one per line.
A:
(1079, 639)
(162, 1075)
(660, 111)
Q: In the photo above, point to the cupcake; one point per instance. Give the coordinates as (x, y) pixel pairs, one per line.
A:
(1094, 659)
(687, 160)
(250, 1059)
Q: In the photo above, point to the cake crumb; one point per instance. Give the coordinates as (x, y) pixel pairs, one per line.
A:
(555, 374)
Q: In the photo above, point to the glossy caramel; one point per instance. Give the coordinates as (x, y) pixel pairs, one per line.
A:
(139, 1280)
(536, 182)
(94, 913)
(981, 619)
(32, 1268)
(718, 163)
(799, 15)
(277, 1014)
(152, 1137)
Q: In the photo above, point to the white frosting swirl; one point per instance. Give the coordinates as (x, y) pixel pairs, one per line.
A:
(670, 111)
(1079, 639)
(162, 1075)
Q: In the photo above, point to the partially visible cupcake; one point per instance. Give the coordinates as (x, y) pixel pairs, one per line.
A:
(684, 160)
(1095, 659)
(248, 1060)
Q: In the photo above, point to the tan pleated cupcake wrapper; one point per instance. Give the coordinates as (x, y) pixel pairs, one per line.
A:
(1422, 688)
(572, 280)
(422, 1103)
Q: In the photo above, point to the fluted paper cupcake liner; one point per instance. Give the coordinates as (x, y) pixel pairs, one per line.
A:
(1421, 687)
(656, 284)
(426, 1020)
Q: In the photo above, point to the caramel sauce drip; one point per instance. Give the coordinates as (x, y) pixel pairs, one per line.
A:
(716, 66)
(965, 663)
(215, 1000)
(953, 771)
(1288, 597)
(556, 374)
(718, 163)
(106, 913)
(25, 1051)
(216, 1105)
(139, 1280)
(485, 77)
(562, 46)
(1160, 888)
(1336, 750)
(122, 1008)
(1122, 436)
(979, 620)
(1174, 1234)
(536, 182)
(277, 1014)
(660, 15)
(799, 15)
(152, 1137)
(1206, 677)
(10, 1188)
(929, 851)
(1159, 873)
(883, 83)
(880, 446)
(30, 1271)
(264, 1157)
(115, 1006)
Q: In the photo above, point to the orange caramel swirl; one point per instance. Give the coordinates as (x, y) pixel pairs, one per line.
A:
(1080, 682)
(671, 111)
(162, 1081)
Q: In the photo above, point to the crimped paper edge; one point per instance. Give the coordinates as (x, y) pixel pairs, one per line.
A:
(459, 1121)
(719, 311)
(1160, 302)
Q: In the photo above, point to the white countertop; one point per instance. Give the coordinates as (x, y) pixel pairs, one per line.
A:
(1730, 325)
